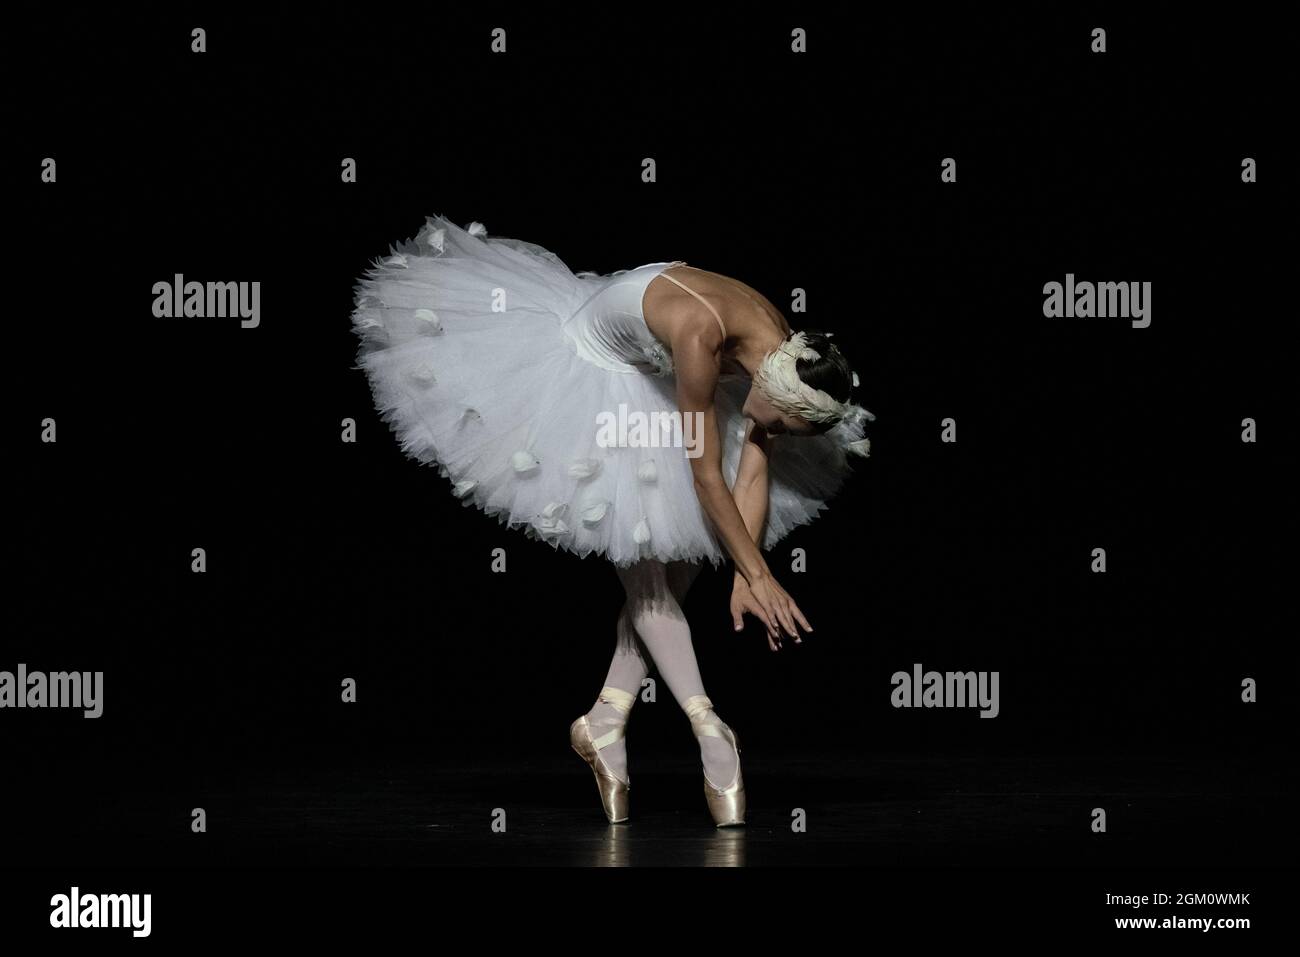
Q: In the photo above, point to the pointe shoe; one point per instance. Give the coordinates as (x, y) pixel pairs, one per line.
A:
(727, 805)
(613, 790)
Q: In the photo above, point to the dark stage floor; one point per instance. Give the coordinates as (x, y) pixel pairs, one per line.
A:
(889, 812)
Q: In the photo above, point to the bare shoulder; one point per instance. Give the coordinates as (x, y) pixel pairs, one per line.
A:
(743, 308)
(671, 310)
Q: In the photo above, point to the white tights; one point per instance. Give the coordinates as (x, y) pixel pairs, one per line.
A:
(652, 622)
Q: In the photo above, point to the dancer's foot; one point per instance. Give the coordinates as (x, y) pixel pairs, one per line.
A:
(717, 755)
(720, 761)
(610, 712)
(590, 740)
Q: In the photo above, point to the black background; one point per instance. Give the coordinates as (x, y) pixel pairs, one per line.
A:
(329, 560)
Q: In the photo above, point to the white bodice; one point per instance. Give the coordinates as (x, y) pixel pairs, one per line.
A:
(610, 329)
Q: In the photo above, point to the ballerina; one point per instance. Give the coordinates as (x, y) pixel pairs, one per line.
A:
(493, 362)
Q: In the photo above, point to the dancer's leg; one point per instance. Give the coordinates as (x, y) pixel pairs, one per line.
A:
(628, 669)
(656, 615)
(681, 576)
(626, 672)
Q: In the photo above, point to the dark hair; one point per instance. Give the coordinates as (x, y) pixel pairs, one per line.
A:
(831, 373)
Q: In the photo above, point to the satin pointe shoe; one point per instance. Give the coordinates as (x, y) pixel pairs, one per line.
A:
(727, 805)
(584, 740)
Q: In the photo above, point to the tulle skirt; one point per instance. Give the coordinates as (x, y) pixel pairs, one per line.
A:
(502, 405)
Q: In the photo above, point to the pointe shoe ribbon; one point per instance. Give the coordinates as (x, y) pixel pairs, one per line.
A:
(621, 701)
(727, 805)
(613, 791)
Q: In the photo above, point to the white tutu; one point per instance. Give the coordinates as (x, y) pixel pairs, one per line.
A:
(473, 362)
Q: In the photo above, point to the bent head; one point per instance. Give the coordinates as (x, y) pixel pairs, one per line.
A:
(771, 419)
(802, 387)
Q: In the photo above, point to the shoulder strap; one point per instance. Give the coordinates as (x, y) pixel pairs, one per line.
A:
(707, 305)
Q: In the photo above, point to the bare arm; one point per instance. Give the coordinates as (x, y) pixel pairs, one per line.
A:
(697, 363)
(750, 492)
(751, 489)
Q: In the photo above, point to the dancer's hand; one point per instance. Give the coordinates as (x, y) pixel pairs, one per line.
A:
(742, 601)
(771, 604)
(780, 607)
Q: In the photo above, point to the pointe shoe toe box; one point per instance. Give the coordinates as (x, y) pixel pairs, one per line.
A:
(613, 792)
(727, 805)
